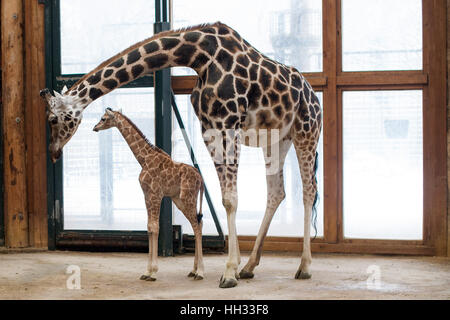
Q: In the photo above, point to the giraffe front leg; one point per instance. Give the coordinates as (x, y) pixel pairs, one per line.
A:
(224, 147)
(275, 195)
(153, 204)
(229, 200)
(152, 267)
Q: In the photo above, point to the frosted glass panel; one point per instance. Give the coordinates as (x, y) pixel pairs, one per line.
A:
(383, 171)
(93, 31)
(381, 35)
(101, 186)
(285, 30)
(252, 190)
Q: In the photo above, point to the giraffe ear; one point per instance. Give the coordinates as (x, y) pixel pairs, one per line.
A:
(64, 90)
(109, 112)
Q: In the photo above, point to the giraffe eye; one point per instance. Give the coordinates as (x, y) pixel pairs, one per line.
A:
(103, 119)
(53, 120)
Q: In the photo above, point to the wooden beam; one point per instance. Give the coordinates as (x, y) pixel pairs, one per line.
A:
(393, 247)
(382, 78)
(2, 220)
(185, 84)
(35, 123)
(448, 128)
(331, 122)
(16, 215)
(435, 125)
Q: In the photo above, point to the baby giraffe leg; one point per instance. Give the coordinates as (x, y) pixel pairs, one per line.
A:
(153, 205)
(198, 271)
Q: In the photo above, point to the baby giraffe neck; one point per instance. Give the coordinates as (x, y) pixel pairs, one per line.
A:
(136, 140)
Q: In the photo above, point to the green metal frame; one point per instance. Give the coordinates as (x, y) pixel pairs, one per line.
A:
(163, 130)
(127, 240)
(195, 163)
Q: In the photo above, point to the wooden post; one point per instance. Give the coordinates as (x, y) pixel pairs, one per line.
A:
(2, 220)
(435, 125)
(15, 195)
(448, 129)
(36, 160)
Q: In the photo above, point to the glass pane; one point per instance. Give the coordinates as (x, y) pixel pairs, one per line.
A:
(101, 186)
(252, 190)
(381, 35)
(93, 31)
(289, 31)
(383, 171)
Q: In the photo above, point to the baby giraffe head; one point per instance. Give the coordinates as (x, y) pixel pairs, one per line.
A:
(107, 121)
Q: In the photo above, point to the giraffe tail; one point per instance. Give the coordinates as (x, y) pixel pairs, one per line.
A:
(202, 189)
(316, 197)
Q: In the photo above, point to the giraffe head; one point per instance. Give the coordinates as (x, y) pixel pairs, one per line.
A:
(107, 121)
(64, 113)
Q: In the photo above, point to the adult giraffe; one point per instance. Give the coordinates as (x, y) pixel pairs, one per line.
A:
(238, 89)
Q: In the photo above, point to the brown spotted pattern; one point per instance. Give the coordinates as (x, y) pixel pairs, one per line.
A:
(161, 177)
(238, 88)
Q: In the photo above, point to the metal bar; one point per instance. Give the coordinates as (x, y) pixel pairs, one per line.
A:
(163, 139)
(49, 79)
(165, 11)
(195, 163)
(157, 11)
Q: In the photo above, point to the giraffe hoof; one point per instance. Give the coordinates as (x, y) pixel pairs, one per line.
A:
(227, 283)
(198, 277)
(191, 274)
(244, 274)
(302, 275)
(146, 277)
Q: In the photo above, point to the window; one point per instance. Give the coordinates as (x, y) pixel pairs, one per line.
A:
(383, 175)
(288, 220)
(90, 37)
(287, 31)
(101, 187)
(381, 35)
(379, 68)
(100, 174)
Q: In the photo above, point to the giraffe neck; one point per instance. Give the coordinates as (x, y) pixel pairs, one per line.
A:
(193, 47)
(136, 140)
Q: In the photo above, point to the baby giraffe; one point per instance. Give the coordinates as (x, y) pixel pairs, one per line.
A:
(160, 177)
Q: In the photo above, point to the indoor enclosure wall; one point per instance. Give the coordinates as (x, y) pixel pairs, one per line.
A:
(24, 146)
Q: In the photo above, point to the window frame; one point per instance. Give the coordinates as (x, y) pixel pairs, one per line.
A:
(332, 81)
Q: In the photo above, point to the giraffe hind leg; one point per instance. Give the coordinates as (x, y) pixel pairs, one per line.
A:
(307, 159)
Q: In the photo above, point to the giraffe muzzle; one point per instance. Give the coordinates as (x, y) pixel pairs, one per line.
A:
(44, 92)
(55, 155)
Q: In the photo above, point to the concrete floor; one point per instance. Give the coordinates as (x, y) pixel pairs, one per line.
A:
(116, 276)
